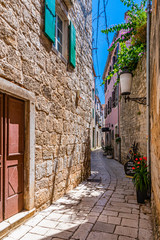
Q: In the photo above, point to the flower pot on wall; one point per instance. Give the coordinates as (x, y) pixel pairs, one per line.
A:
(126, 82)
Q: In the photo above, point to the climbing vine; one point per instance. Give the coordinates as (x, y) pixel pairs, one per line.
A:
(131, 38)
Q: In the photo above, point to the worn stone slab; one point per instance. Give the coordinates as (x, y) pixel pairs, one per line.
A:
(103, 227)
(114, 220)
(83, 231)
(126, 231)
(125, 238)
(128, 215)
(20, 232)
(31, 236)
(126, 205)
(103, 218)
(34, 220)
(48, 223)
(146, 224)
(59, 234)
(145, 216)
(54, 216)
(114, 199)
(8, 238)
(118, 209)
(67, 226)
(116, 195)
(110, 213)
(102, 236)
(39, 230)
(129, 222)
(91, 219)
(145, 234)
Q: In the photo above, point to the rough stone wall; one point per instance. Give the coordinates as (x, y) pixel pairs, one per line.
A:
(155, 111)
(133, 115)
(27, 58)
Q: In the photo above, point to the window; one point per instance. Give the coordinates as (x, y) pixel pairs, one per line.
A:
(114, 60)
(109, 105)
(60, 30)
(93, 94)
(92, 112)
(105, 86)
(59, 34)
(110, 69)
(114, 98)
(116, 95)
(106, 111)
(112, 134)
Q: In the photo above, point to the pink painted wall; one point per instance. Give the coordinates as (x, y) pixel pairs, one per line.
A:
(112, 118)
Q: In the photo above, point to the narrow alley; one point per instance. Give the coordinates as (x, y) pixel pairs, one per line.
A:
(103, 208)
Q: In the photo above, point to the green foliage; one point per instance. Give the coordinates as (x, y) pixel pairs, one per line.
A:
(141, 178)
(118, 140)
(108, 149)
(131, 38)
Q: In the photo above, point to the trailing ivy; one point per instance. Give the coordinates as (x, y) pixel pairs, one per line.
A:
(131, 37)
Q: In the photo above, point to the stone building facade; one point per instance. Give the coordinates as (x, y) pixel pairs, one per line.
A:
(98, 122)
(155, 112)
(93, 109)
(112, 106)
(56, 94)
(133, 124)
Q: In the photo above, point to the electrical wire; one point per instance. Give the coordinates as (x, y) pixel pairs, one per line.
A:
(106, 20)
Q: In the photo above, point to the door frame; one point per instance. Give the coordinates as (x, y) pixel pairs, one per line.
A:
(14, 90)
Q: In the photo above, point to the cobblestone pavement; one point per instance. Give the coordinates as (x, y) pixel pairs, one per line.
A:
(93, 211)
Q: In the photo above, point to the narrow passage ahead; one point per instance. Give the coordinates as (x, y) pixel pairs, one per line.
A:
(103, 208)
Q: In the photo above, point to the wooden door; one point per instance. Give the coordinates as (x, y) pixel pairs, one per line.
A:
(13, 156)
(1, 157)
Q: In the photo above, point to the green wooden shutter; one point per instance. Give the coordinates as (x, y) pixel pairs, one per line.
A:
(50, 19)
(72, 45)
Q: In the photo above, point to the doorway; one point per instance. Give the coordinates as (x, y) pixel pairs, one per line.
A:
(12, 125)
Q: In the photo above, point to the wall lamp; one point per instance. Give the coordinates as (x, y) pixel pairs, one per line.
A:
(126, 79)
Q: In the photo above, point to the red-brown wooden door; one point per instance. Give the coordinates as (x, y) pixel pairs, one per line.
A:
(13, 156)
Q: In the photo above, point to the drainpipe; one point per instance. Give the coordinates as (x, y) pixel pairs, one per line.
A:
(119, 126)
(148, 85)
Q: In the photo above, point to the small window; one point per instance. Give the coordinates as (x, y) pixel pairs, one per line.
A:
(93, 94)
(59, 35)
(112, 134)
(92, 112)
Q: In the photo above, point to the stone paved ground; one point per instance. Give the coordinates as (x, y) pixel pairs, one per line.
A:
(93, 211)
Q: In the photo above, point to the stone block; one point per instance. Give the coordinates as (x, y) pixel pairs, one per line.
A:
(83, 231)
(103, 227)
(126, 231)
(129, 222)
(102, 235)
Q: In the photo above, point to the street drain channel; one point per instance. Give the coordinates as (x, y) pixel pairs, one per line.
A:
(97, 180)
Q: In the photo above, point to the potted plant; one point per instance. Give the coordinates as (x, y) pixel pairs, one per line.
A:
(141, 178)
(108, 151)
(118, 140)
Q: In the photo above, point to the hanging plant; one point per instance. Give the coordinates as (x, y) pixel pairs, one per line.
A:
(131, 38)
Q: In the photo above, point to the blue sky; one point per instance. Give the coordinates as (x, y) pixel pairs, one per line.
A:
(115, 14)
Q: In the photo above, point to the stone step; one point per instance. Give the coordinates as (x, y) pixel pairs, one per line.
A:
(9, 224)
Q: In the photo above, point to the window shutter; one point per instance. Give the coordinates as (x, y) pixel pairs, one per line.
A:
(72, 45)
(106, 111)
(50, 19)
(92, 112)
